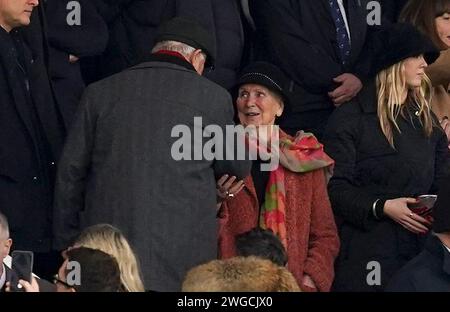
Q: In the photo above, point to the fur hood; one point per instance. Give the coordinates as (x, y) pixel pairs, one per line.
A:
(239, 274)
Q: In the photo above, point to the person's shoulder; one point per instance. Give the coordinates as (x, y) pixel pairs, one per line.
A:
(184, 74)
(105, 83)
(214, 88)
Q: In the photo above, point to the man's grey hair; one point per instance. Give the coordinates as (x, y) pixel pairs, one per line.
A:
(4, 228)
(182, 48)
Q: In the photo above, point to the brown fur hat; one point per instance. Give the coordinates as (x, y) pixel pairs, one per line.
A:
(239, 274)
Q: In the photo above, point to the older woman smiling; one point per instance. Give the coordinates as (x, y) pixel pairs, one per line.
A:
(290, 200)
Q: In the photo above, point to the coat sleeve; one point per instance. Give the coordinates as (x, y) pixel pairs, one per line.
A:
(324, 241)
(306, 63)
(87, 39)
(350, 202)
(72, 172)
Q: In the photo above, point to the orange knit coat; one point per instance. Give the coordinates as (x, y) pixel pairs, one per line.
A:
(312, 238)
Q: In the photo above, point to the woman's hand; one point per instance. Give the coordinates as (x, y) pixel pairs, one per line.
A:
(308, 282)
(397, 209)
(228, 187)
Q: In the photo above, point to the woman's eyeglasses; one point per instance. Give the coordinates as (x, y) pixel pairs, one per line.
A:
(57, 280)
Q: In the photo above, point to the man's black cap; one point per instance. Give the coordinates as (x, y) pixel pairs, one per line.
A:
(191, 33)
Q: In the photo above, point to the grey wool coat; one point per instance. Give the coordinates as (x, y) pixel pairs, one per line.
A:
(117, 168)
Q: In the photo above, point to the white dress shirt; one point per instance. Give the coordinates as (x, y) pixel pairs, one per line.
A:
(447, 248)
(246, 10)
(344, 15)
(3, 277)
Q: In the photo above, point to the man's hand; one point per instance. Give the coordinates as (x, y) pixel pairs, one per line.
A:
(33, 287)
(30, 287)
(73, 59)
(349, 88)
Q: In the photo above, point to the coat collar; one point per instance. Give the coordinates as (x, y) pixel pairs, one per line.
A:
(170, 59)
(3, 31)
(12, 74)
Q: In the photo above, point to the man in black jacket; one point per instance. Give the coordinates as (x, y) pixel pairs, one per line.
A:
(30, 131)
(319, 45)
(120, 163)
(5, 271)
(71, 39)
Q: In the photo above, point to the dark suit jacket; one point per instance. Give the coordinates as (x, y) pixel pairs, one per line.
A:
(44, 286)
(117, 167)
(300, 37)
(429, 271)
(30, 136)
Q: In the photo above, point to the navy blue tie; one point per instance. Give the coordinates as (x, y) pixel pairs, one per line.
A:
(343, 40)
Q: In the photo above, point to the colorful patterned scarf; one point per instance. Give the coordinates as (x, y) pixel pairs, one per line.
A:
(302, 154)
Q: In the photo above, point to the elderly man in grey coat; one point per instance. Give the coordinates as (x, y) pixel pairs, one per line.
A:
(122, 165)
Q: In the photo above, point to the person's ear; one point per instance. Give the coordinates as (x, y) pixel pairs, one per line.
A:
(8, 244)
(280, 109)
(198, 60)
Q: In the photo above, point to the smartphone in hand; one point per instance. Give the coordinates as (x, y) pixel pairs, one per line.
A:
(21, 268)
(424, 205)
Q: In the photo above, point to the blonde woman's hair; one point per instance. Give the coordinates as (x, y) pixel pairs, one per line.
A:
(391, 88)
(110, 240)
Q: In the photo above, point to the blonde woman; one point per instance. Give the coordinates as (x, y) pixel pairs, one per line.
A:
(111, 241)
(388, 148)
